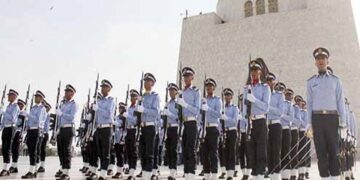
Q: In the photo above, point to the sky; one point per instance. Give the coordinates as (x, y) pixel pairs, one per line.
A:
(45, 41)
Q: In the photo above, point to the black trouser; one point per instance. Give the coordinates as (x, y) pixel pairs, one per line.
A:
(130, 143)
(85, 155)
(59, 148)
(274, 148)
(43, 147)
(103, 146)
(188, 146)
(15, 147)
(92, 151)
(171, 145)
(259, 143)
(32, 142)
(230, 156)
(65, 140)
(160, 155)
(211, 150)
(222, 155)
(302, 149)
(156, 152)
(285, 149)
(38, 148)
(7, 139)
(326, 140)
(112, 154)
(147, 142)
(349, 158)
(119, 152)
(294, 146)
(243, 155)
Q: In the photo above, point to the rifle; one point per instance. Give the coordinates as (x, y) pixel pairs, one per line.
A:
(222, 121)
(124, 125)
(26, 101)
(138, 114)
(54, 132)
(91, 131)
(178, 107)
(164, 117)
(240, 110)
(203, 113)
(248, 104)
(2, 102)
(85, 122)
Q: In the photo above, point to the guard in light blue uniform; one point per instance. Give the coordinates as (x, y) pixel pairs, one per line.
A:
(230, 117)
(190, 101)
(104, 120)
(35, 122)
(43, 139)
(8, 122)
(171, 112)
(212, 107)
(257, 101)
(276, 111)
(326, 103)
(150, 113)
(286, 120)
(130, 139)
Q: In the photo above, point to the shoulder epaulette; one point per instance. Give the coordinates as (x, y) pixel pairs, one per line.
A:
(312, 77)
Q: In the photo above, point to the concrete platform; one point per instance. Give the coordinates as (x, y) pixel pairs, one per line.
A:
(52, 165)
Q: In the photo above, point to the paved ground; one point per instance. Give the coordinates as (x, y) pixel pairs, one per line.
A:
(52, 165)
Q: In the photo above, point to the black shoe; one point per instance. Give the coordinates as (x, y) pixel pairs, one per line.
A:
(28, 175)
(64, 177)
(139, 175)
(88, 173)
(58, 174)
(4, 173)
(13, 170)
(292, 177)
(82, 169)
(307, 175)
(130, 178)
(222, 176)
(93, 176)
(170, 178)
(110, 172)
(154, 177)
(266, 175)
(85, 170)
(229, 178)
(201, 173)
(352, 176)
(245, 177)
(126, 170)
(117, 176)
(301, 177)
(347, 178)
(41, 169)
(101, 178)
(235, 173)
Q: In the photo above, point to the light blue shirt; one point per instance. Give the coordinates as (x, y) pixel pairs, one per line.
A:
(173, 118)
(289, 114)
(106, 110)
(37, 116)
(151, 103)
(304, 118)
(297, 117)
(191, 96)
(119, 131)
(232, 112)
(131, 118)
(262, 103)
(353, 127)
(46, 123)
(11, 115)
(68, 109)
(213, 114)
(277, 106)
(324, 92)
(242, 123)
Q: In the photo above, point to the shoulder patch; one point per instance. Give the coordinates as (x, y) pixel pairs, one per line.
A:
(195, 88)
(312, 77)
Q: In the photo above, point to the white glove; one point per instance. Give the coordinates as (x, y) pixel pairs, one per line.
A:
(355, 142)
(251, 98)
(88, 116)
(204, 107)
(224, 117)
(343, 133)
(95, 107)
(125, 114)
(167, 112)
(182, 102)
(140, 108)
(58, 112)
(349, 139)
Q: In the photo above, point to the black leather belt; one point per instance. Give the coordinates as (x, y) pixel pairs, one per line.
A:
(333, 112)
